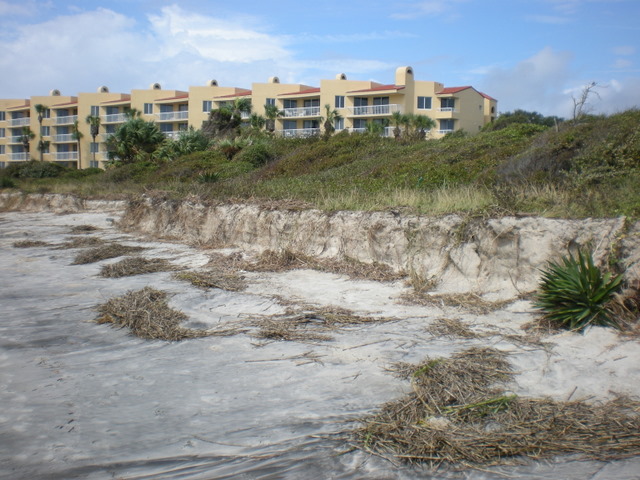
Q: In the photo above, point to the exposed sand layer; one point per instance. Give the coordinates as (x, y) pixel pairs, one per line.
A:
(83, 400)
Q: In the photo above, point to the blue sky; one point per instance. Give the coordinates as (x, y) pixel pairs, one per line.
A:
(530, 54)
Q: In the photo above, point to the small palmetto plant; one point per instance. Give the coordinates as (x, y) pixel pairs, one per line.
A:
(574, 293)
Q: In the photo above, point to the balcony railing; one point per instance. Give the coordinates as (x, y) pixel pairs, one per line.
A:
(370, 110)
(16, 140)
(20, 122)
(68, 120)
(300, 132)
(444, 132)
(61, 156)
(115, 118)
(19, 157)
(63, 138)
(448, 109)
(302, 112)
(172, 135)
(387, 132)
(172, 116)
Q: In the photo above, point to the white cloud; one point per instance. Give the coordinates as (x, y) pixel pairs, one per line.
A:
(534, 84)
(548, 19)
(214, 39)
(428, 8)
(624, 50)
(24, 8)
(622, 63)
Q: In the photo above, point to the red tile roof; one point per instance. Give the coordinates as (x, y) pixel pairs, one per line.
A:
(178, 97)
(379, 87)
(125, 98)
(21, 107)
(302, 92)
(233, 95)
(487, 96)
(65, 104)
(450, 90)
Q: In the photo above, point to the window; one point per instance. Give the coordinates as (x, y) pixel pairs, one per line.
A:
(290, 125)
(2, 134)
(3, 116)
(381, 100)
(447, 103)
(110, 129)
(312, 102)
(2, 164)
(339, 101)
(271, 101)
(166, 108)
(339, 124)
(166, 127)
(94, 147)
(207, 106)
(93, 164)
(424, 103)
(359, 123)
(290, 103)
(184, 107)
(46, 131)
(2, 150)
(148, 108)
(62, 112)
(360, 102)
(311, 124)
(446, 125)
(112, 110)
(95, 111)
(46, 113)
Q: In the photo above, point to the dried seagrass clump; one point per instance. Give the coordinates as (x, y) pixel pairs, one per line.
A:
(147, 314)
(458, 415)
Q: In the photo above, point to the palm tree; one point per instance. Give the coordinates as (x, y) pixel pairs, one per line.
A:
(25, 138)
(94, 124)
(396, 118)
(41, 110)
(374, 128)
(271, 112)
(407, 120)
(422, 123)
(330, 119)
(77, 135)
(257, 121)
(132, 113)
(43, 147)
(240, 106)
(134, 140)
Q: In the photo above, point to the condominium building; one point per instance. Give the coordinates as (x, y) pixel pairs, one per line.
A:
(61, 133)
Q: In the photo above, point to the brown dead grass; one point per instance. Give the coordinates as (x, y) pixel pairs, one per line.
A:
(84, 229)
(30, 244)
(271, 261)
(80, 242)
(205, 280)
(104, 252)
(471, 302)
(131, 266)
(311, 326)
(460, 414)
(147, 314)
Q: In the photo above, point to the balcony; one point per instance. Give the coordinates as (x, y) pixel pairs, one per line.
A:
(63, 156)
(302, 112)
(20, 122)
(115, 118)
(300, 132)
(172, 135)
(15, 140)
(444, 132)
(387, 132)
(19, 157)
(63, 138)
(172, 116)
(372, 110)
(68, 120)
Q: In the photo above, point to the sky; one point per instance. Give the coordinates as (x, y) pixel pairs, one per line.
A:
(535, 55)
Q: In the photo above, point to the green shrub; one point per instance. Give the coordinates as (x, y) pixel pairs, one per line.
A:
(574, 293)
(82, 173)
(6, 182)
(34, 169)
(257, 154)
